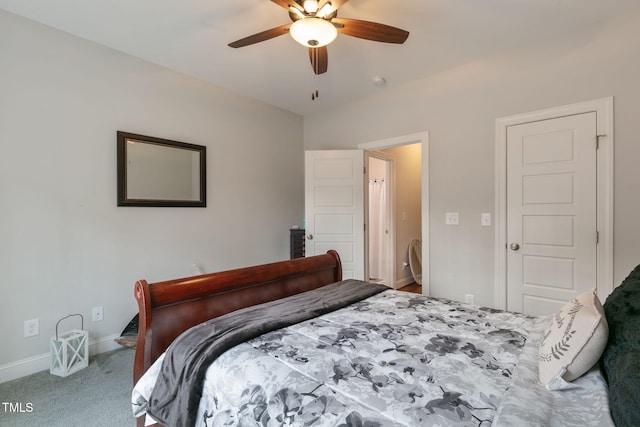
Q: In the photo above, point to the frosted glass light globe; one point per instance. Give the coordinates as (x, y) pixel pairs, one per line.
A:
(313, 32)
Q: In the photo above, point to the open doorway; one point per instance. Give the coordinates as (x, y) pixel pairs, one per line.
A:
(335, 205)
(395, 212)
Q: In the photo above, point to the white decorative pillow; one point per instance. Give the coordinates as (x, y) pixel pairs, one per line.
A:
(573, 342)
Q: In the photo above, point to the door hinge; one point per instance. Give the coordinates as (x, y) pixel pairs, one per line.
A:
(597, 237)
(598, 140)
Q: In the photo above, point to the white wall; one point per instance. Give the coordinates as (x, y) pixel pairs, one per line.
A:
(459, 108)
(65, 245)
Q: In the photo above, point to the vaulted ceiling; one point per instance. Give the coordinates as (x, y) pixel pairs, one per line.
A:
(191, 36)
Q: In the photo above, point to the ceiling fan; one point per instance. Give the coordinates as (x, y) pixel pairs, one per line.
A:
(315, 24)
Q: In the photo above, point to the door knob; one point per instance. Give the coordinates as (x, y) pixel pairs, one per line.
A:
(310, 236)
(514, 246)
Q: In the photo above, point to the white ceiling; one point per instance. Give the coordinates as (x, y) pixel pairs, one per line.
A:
(191, 36)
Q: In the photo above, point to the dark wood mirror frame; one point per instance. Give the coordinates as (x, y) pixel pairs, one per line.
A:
(153, 170)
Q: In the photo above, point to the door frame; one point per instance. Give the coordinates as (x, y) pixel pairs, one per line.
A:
(603, 108)
(422, 138)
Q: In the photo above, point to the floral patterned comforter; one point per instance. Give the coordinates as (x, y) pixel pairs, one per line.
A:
(394, 359)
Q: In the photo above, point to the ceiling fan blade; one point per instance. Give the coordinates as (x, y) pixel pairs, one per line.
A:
(370, 30)
(332, 5)
(319, 59)
(261, 36)
(288, 4)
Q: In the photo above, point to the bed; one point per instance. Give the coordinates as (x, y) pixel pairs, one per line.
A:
(292, 343)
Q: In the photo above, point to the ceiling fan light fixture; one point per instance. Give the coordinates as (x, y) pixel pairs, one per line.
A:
(313, 32)
(310, 6)
(297, 12)
(325, 10)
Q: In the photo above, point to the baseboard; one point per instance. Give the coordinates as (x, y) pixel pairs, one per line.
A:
(404, 282)
(40, 362)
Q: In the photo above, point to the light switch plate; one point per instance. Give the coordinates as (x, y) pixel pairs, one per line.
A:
(485, 219)
(452, 218)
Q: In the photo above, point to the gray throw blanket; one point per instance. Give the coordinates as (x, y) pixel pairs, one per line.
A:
(176, 396)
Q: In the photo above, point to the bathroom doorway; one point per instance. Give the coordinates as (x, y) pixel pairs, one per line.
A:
(394, 212)
(410, 209)
(410, 193)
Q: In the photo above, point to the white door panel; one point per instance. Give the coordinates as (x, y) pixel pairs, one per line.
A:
(334, 207)
(551, 212)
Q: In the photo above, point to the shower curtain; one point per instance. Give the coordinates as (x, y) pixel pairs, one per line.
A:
(378, 230)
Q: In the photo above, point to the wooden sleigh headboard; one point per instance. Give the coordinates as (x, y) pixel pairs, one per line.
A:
(169, 308)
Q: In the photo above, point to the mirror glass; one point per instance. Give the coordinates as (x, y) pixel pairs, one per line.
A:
(159, 172)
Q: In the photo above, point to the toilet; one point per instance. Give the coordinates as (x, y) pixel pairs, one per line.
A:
(415, 260)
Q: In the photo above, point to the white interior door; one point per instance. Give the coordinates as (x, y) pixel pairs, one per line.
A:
(334, 206)
(551, 212)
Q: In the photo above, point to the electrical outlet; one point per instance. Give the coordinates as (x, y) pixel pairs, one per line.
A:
(485, 219)
(96, 314)
(31, 327)
(469, 299)
(452, 218)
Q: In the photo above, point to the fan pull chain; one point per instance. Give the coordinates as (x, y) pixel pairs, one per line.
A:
(314, 94)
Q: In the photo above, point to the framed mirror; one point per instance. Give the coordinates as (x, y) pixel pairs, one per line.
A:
(160, 172)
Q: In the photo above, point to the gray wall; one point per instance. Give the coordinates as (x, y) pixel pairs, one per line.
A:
(459, 108)
(65, 245)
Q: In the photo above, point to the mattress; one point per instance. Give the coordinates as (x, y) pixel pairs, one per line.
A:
(392, 359)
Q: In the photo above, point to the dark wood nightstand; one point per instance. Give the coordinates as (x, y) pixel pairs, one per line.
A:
(297, 242)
